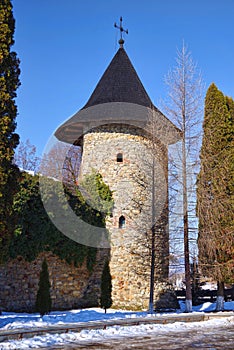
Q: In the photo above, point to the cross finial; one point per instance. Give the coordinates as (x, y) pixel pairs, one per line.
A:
(121, 29)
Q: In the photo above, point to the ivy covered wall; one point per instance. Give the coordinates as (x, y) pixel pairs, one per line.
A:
(75, 269)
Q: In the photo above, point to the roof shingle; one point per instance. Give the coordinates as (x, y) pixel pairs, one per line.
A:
(119, 83)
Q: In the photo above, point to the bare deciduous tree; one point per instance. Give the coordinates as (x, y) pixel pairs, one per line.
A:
(184, 107)
(26, 156)
(62, 162)
(151, 243)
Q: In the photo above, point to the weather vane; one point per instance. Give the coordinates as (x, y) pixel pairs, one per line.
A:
(121, 29)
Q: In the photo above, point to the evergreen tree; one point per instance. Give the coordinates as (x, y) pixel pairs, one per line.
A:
(43, 301)
(106, 287)
(215, 191)
(9, 82)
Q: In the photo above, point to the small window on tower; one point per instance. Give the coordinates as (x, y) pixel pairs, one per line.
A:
(122, 222)
(119, 157)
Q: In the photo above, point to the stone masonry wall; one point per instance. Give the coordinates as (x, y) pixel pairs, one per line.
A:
(71, 287)
(131, 181)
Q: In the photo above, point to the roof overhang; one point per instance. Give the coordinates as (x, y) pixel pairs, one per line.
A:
(118, 113)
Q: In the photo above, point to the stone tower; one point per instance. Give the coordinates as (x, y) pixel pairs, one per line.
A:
(125, 138)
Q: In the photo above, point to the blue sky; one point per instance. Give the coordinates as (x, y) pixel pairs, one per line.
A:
(66, 45)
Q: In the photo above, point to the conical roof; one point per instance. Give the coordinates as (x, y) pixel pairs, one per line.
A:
(119, 98)
(119, 83)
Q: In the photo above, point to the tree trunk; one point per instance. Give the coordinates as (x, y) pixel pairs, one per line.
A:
(220, 296)
(152, 267)
(188, 299)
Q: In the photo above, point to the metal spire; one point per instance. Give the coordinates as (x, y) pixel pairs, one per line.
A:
(121, 29)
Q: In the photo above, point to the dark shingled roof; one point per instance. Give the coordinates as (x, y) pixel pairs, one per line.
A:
(119, 83)
(119, 98)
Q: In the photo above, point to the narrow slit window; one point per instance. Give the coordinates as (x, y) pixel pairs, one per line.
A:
(122, 222)
(119, 157)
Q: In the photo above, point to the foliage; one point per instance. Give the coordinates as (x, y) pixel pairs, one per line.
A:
(9, 82)
(106, 287)
(43, 300)
(36, 233)
(97, 193)
(215, 188)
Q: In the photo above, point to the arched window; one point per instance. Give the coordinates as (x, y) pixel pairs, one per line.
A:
(122, 222)
(119, 158)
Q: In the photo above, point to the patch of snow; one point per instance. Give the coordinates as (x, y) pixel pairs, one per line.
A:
(208, 307)
(23, 320)
(112, 332)
(17, 320)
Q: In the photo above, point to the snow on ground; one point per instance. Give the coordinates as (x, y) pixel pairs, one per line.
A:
(209, 307)
(14, 320)
(10, 320)
(50, 340)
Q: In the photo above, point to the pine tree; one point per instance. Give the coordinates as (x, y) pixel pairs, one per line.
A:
(106, 287)
(9, 82)
(43, 301)
(215, 191)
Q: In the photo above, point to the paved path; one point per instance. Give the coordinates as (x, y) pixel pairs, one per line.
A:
(77, 327)
(217, 338)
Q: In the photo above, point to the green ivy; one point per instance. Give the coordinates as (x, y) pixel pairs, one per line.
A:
(97, 193)
(35, 231)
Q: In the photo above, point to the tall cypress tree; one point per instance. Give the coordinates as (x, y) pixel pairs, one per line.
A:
(9, 82)
(106, 287)
(43, 300)
(215, 191)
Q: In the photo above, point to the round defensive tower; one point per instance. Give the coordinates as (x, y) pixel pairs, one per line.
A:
(125, 138)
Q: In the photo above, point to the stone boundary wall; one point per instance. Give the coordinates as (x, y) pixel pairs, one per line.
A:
(71, 287)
